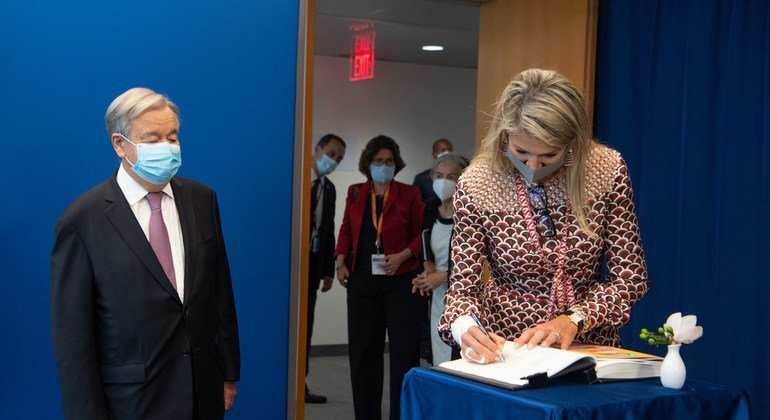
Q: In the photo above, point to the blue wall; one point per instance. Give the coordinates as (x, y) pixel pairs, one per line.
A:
(231, 67)
(683, 91)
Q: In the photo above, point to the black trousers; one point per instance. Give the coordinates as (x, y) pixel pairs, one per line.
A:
(377, 304)
(314, 281)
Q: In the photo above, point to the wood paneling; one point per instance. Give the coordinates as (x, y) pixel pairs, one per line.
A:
(516, 35)
(303, 147)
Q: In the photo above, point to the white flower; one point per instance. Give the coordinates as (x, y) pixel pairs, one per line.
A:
(685, 330)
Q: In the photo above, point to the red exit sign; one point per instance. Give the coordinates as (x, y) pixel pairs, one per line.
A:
(362, 52)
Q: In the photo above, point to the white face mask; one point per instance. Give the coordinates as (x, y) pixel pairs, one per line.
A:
(534, 176)
(444, 188)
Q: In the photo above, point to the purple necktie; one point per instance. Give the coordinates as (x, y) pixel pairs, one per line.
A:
(159, 237)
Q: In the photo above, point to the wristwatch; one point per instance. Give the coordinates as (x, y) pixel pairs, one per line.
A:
(577, 316)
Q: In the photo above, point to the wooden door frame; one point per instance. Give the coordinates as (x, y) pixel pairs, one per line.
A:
(300, 232)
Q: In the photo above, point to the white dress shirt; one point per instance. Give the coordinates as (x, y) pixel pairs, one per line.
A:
(136, 196)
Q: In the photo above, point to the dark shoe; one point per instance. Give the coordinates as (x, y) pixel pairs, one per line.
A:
(311, 398)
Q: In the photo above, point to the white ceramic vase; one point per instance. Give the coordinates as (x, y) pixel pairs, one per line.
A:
(672, 371)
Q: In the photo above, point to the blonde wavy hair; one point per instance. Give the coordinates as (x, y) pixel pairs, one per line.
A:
(548, 107)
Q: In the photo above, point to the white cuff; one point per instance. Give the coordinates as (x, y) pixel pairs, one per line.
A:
(460, 326)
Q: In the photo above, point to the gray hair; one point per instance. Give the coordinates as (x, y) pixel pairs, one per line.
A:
(461, 161)
(130, 105)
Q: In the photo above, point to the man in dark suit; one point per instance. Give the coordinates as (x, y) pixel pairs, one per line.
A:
(423, 180)
(328, 153)
(142, 312)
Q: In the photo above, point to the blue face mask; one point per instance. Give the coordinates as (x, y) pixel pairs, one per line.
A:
(325, 165)
(382, 174)
(156, 163)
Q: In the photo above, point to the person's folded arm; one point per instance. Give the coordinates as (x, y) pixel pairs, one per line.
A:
(610, 303)
(327, 267)
(415, 223)
(72, 326)
(229, 344)
(345, 237)
(468, 257)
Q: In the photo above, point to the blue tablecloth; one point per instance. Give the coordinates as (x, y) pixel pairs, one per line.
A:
(427, 394)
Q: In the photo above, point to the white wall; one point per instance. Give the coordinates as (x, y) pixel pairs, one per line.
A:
(413, 104)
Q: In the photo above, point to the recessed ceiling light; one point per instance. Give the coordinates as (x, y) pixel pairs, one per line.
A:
(432, 48)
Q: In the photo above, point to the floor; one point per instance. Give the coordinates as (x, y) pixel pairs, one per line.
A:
(330, 376)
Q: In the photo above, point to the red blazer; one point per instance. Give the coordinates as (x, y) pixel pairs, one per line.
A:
(401, 226)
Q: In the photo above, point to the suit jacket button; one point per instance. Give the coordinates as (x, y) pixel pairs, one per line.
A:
(185, 353)
(187, 312)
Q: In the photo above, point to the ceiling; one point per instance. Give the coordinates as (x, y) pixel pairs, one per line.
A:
(402, 27)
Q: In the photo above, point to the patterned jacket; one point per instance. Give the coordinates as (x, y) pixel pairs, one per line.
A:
(490, 226)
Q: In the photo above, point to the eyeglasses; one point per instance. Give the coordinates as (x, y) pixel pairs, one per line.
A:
(380, 162)
(539, 203)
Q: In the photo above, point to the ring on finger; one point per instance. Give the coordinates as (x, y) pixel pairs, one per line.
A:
(481, 359)
(558, 336)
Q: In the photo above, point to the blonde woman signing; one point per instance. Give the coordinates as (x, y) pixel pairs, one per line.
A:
(543, 204)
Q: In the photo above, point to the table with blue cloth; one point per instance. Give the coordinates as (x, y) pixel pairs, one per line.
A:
(427, 394)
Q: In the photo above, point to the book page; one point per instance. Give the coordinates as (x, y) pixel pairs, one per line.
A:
(606, 352)
(519, 363)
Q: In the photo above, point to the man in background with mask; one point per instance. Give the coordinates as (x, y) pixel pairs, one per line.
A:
(328, 153)
(142, 311)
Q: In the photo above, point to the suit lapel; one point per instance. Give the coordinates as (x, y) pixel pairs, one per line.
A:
(120, 215)
(392, 196)
(328, 207)
(187, 221)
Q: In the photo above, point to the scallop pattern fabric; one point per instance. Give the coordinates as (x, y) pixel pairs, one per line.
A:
(490, 227)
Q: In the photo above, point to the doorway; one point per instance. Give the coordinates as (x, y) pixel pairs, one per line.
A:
(415, 97)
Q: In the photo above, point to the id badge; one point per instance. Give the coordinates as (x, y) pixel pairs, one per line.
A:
(315, 243)
(377, 261)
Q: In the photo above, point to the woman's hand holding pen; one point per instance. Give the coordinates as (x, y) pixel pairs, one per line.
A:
(559, 330)
(480, 347)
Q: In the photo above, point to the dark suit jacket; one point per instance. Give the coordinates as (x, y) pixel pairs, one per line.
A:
(424, 182)
(126, 347)
(323, 261)
(401, 223)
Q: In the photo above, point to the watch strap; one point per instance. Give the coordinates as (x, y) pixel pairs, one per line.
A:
(578, 317)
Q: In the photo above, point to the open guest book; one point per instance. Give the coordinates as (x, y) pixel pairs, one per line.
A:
(585, 363)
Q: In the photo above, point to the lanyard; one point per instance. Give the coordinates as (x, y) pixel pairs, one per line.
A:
(377, 222)
(562, 295)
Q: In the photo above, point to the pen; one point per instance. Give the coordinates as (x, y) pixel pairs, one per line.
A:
(476, 320)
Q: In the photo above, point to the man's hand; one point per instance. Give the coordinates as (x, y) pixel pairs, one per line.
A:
(229, 394)
(328, 282)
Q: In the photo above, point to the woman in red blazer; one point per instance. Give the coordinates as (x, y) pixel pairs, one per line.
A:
(377, 251)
